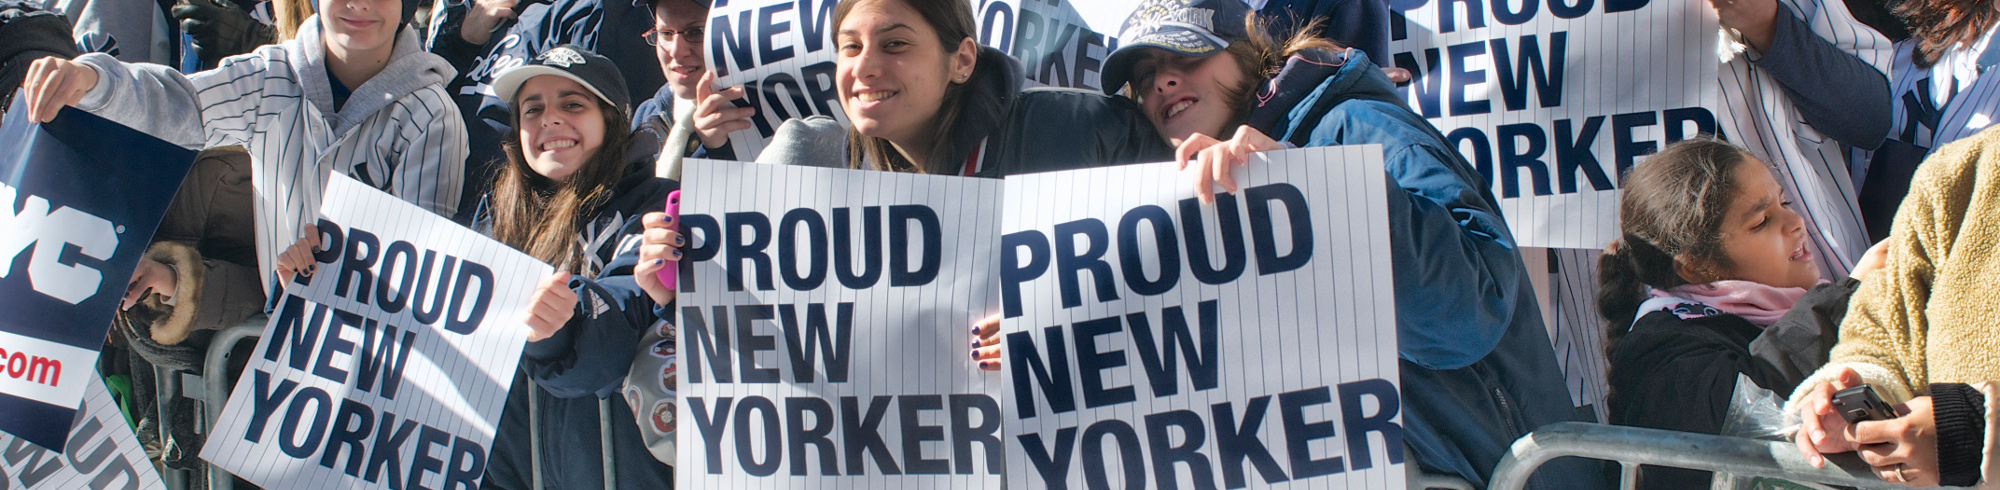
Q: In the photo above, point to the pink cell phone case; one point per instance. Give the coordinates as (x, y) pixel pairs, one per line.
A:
(670, 276)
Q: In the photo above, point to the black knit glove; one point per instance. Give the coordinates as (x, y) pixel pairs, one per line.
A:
(220, 31)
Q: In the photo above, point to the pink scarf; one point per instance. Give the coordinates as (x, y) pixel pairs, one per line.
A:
(1762, 305)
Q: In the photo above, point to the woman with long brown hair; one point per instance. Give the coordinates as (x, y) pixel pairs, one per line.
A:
(569, 194)
(1477, 370)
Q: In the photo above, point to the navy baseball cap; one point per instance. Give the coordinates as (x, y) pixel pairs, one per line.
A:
(592, 70)
(1196, 28)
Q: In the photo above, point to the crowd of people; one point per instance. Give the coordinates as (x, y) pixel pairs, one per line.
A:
(1836, 234)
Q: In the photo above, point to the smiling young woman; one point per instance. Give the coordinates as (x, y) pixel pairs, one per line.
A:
(923, 96)
(570, 194)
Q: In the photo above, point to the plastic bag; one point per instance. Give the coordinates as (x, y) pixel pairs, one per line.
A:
(1757, 413)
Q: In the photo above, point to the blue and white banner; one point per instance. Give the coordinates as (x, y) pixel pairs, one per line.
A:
(825, 330)
(1155, 341)
(1552, 101)
(389, 367)
(80, 198)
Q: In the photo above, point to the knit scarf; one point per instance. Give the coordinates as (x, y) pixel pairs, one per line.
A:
(1761, 304)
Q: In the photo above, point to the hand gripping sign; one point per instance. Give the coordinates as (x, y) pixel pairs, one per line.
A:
(387, 368)
(79, 200)
(1152, 340)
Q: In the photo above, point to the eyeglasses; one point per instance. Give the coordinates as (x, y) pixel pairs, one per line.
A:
(658, 37)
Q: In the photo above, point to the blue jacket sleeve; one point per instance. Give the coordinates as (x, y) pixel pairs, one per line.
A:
(592, 353)
(1460, 283)
(1840, 95)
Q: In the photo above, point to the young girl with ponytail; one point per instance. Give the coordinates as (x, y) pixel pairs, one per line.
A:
(1713, 277)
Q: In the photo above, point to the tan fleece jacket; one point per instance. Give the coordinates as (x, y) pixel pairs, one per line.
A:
(1931, 314)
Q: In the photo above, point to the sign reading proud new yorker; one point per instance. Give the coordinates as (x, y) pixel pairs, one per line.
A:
(825, 331)
(1155, 341)
(1553, 100)
(389, 366)
(80, 198)
(102, 453)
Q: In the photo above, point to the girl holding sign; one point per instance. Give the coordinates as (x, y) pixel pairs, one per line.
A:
(1710, 281)
(567, 194)
(1477, 368)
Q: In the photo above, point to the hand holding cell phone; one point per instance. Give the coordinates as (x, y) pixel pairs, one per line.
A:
(1861, 403)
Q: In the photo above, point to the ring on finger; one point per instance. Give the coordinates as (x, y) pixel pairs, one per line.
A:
(1900, 478)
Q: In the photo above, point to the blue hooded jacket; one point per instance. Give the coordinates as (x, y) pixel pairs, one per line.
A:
(1477, 368)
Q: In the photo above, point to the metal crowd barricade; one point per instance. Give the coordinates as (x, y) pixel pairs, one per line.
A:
(1729, 457)
(215, 385)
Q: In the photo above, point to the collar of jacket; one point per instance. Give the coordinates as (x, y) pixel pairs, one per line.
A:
(996, 80)
(1316, 73)
(410, 69)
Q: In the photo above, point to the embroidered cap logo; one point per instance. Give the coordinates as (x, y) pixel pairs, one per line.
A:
(562, 57)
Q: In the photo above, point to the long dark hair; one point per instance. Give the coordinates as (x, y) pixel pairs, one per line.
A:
(953, 21)
(1940, 25)
(1261, 56)
(1672, 210)
(540, 216)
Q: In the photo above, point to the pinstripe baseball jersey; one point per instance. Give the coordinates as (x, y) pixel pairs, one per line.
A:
(399, 132)
(1945, 99)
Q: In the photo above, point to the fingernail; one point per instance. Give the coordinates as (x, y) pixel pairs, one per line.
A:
(985, 364)
(659, 261)
(668, 219)
(678, 241)
(975, 343)
(1816, 461)
(677, 255)
(975, 330)
(975, 353)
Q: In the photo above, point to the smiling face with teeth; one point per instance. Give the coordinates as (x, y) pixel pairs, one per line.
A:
(1763, 239)
(893, 73)
(561, 125)
(1184, 95)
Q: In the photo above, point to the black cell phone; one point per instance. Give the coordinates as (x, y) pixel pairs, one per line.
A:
(1862, 403)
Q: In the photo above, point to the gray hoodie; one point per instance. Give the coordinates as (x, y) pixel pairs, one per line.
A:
(399, 132)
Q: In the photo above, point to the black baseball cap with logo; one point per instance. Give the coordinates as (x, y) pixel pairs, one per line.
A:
(1196, 28)
(593, 71)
